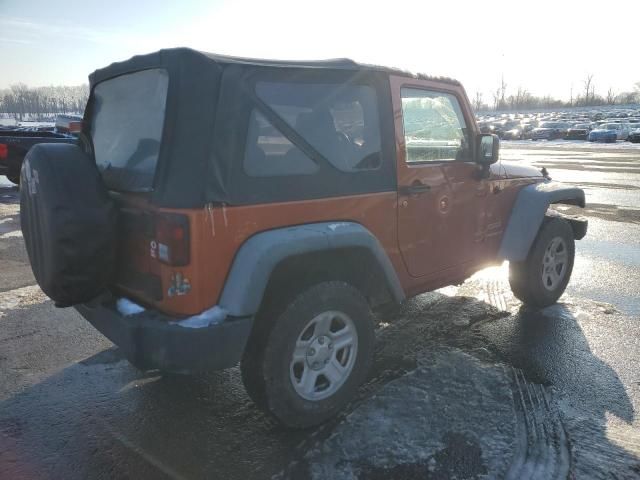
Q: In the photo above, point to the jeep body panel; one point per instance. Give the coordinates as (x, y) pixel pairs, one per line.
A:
(219, 232)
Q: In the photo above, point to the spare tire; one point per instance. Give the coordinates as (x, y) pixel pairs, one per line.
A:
(68, 222)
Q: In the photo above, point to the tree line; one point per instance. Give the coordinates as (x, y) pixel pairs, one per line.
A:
(522, 99)
(42, 103)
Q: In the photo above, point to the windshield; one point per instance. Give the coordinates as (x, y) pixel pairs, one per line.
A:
(553, 125)
(610, 126)
(126, 127)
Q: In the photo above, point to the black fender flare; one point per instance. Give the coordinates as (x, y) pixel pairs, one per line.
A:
(261, 253)
(528, 214)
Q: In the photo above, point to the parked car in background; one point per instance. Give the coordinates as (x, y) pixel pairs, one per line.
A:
(579, 131)
(513, 134)
(633, 125)
(622, 131)
(634, 135)
(550, 131)
(484, 127)
(500, 127)
(15, 143)
(609, 132)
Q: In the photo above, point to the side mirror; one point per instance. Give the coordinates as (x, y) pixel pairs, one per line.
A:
(488, 149)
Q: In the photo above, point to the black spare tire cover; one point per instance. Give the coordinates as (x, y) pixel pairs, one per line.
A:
(68, 222)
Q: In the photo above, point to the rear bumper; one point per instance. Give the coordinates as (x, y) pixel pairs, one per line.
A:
(150, 341)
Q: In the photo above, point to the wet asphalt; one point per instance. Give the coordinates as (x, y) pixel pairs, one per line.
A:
(466, 382)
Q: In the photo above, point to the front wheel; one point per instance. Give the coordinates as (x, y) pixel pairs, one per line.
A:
(542, 278)
(307, 359)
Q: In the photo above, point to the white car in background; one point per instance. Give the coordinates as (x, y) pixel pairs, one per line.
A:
(622, 129)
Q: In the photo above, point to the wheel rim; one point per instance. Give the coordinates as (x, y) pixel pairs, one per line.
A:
(324, 355)
(554, 263)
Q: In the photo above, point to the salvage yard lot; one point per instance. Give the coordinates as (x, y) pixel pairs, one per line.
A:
(465, 384)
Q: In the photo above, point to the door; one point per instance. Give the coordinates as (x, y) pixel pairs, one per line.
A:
(441, 197)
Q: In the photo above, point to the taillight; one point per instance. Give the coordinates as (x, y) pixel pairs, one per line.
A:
(4, 151)
(172, 238)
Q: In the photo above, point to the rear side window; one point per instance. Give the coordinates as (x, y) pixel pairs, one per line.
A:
(340, 121)
(269, 153)
(126, 128)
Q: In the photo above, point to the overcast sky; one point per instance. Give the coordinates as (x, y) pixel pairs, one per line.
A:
(545, 46)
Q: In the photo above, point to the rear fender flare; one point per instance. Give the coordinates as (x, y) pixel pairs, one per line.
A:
(260, 254)
(528, 214)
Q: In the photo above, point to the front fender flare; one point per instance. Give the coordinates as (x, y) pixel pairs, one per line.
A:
(261, 253)
(528, 213)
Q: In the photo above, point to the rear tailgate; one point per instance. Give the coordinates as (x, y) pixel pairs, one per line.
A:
(179, 276)
(137, 272)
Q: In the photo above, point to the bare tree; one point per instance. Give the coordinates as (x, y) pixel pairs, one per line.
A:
(611, 97)
(521, 97)
(496, 99)
(499, 96)
(626, 98)
(515, 101)
(22, 102)
(503, 91)
(588, 89)
(477, 101)
(571, 99)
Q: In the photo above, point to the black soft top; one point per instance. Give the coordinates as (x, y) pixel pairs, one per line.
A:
(165, 56)
(209, 101)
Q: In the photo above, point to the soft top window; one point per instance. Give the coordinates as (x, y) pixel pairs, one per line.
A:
(340, 121)
(126, 127)
(269, 153)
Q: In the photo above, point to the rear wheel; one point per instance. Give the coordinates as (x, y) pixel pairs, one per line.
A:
(541, 279)
(305, 363)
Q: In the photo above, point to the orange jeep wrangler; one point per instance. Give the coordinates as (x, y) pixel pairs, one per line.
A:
(221, 210)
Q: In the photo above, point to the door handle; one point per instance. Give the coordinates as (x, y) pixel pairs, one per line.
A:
(415, 188)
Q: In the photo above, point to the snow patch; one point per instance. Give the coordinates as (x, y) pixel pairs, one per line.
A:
(214, 316)
(20, 298)
(410, 421)
(126, 307)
